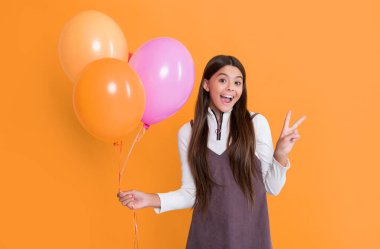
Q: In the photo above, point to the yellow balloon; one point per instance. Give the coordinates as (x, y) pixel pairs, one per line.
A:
(88, 36)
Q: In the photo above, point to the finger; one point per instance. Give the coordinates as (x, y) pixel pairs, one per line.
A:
(127, 203)
(291, 136)
(121, 199)
(122, 194)
(131, 205)
(295, 134)
(298, 122)
(287, 119)
(126, 198)
(287, 134)
(294, 139)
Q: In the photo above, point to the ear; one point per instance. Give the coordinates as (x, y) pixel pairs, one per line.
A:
(205, 85)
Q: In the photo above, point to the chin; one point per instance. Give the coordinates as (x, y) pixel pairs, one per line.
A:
(225, 108)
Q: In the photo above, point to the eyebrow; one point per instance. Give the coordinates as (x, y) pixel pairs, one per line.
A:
(228, 76)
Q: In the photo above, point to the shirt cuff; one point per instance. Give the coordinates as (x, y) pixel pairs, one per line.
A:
(158, 210)
(279, 165)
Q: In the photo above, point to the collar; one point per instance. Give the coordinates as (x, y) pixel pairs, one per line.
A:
(220, 128)
(225, 117)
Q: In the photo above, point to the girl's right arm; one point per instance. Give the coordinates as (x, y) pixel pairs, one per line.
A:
(135, 199)
(182, 198)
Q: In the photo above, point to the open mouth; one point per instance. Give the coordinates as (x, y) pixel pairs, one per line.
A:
(226, 98)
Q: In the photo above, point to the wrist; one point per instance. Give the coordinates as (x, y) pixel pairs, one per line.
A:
(278, 153)
(155, 201)
(281, 158)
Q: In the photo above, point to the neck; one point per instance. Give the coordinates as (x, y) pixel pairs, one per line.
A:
(217, 113)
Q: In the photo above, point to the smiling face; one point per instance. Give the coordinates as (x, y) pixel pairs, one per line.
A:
(225, 88)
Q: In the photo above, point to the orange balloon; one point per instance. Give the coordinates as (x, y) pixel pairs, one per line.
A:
(88, 36)
(109, 99)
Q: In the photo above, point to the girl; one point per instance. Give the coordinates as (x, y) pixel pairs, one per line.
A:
(228, 165)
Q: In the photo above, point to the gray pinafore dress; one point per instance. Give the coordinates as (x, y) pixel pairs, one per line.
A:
(229, 223)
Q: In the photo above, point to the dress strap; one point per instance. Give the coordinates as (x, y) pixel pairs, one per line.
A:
(254, 115)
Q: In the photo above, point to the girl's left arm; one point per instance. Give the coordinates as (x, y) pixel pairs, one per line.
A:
(273, 172)
(276, 163)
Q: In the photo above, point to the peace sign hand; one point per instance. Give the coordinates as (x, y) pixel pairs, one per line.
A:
(288, 137)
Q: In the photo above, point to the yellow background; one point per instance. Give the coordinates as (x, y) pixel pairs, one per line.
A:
(58, 184)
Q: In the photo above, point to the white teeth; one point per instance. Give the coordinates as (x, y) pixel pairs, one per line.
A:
(228, 96)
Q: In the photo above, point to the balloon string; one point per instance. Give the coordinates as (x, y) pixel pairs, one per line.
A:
(138, 137)
(136, 244)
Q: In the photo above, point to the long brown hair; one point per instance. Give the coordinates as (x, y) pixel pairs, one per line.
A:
(241, 139)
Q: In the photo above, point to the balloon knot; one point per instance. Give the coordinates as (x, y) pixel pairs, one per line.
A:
(146, 126)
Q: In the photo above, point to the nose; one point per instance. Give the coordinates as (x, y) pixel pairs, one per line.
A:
(231, 86)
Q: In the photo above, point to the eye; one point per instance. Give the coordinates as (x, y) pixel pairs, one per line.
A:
(222, 80)
(238, 83)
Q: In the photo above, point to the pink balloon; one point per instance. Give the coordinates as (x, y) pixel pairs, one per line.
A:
(167, 72)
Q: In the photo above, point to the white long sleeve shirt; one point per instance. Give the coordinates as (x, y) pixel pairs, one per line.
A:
(273, 173)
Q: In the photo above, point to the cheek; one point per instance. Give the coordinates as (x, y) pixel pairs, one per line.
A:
(239, 93)
(214, 91)
(214, 96)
